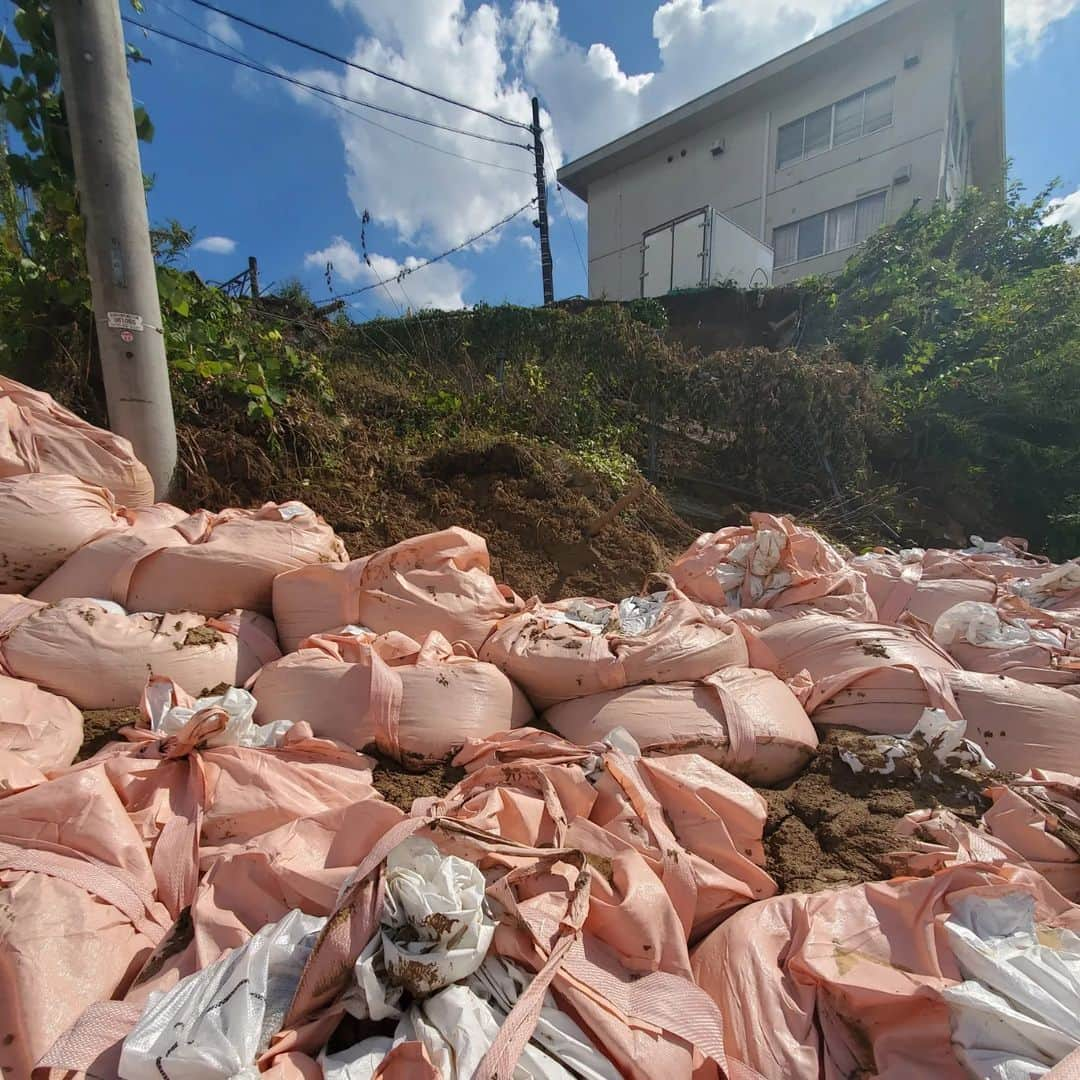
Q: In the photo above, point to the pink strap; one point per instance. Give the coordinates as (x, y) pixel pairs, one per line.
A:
(740, 728)
(108, 883)
(517, 1029)
(384, 705)
(175, 860)
(120, 585)
(92, 1044)
(348, 929)
(901, 593)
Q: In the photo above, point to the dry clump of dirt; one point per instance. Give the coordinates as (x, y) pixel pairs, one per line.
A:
(200, 635)
(102, 726)
(400, 786)
(831, 826)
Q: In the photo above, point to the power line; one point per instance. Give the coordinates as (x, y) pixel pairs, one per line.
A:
(569, 219)
(359, 67)
(404, 273)
(253, 66)
(349, 112)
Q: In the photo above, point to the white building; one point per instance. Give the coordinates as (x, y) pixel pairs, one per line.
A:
(786, 169)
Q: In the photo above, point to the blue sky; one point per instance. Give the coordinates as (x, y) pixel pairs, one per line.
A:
(258, 168)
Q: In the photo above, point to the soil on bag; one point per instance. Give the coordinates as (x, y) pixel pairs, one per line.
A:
(400, 787)
(832, 827)
(102, 726)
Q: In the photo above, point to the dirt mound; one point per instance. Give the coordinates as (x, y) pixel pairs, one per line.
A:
(399, 787)
(832, 827)
(532, 501)
(101, 726)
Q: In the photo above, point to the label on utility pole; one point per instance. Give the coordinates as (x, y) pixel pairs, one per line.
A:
(121, 320)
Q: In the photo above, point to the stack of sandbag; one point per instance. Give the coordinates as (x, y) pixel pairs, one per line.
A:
(899, 584)
(206, 563)
(99, 657)
(1056, 589)
(771, 564)
(698, 827)
(39, 436)
(416, 703)
(1011, 639)
(925, 584)
(574, 648)
(100, 866)
(881, 678)
(44, 520)
(438, 933)
(974, 971)
(440, 581)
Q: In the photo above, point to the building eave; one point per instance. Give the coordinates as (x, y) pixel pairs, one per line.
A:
(686, 119)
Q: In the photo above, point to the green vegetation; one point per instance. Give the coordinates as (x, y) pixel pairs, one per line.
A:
(970, 319)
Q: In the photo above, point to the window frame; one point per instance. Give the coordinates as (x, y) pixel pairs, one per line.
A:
(862, 95)
(831, 215)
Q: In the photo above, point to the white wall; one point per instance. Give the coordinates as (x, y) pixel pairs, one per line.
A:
(686, 175)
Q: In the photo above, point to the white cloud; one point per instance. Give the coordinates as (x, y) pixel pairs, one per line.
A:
(224, 29)
(1066, 211)
(527, 241)
(1026, 23)
(215, 245)
(495, 57)
(344, 260)
(440, 285)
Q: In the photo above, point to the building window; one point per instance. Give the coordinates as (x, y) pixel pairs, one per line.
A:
(845, 227)
(844, 122)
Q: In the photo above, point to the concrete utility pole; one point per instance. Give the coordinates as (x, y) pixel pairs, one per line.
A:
(541, 205)
(97, 96)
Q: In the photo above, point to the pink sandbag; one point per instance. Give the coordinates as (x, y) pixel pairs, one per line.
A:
(699, 828)
(207, 563)
(80, 913)
(745, 720)
(1011, 639)
(771, 563)
(1015, 723)
(44, 731)
(39, 436)
(1038, 815)
(901, 584)
(825, 645)
(415, 703)
(1020, 829)
(653, 639)
(44, 519)
(849, 982)
(440, 581)
(59, 645)
(184, 796)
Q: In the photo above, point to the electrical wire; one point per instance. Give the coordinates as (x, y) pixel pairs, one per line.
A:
(254, 66)
(405, 272)
(344, 109)
(566, 209)
(359, 67)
